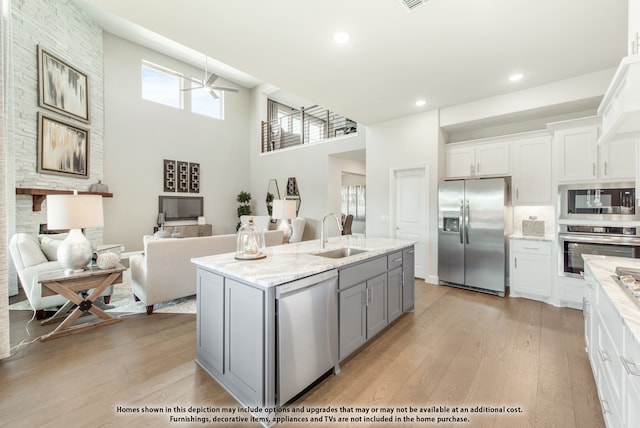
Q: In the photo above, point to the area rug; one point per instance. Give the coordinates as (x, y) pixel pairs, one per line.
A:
(122, 301)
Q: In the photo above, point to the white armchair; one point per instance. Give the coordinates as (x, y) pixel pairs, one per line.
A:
(33, 256)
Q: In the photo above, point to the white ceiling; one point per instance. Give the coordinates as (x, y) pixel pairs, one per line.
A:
(448, 52)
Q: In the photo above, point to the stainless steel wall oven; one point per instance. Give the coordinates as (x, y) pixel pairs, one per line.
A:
(603, 201)
(576, 240)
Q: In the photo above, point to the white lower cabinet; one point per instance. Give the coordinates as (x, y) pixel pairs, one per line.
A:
(614, 354)
(631, 362)
(531, 269)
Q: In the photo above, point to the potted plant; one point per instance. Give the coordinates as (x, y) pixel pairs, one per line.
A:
(244, 199)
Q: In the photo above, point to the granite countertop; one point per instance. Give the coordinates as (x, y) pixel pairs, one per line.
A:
(288, 262)
(532, 237)
(603, 268)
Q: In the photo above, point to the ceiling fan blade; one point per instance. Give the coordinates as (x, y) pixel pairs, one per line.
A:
(220, 88)
(212, 78)
(213, 94)
(191, 89)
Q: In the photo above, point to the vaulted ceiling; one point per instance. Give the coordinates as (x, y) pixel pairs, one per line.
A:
(447, 52)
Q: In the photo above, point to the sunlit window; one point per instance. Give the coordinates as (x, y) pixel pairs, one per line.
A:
(161, 86)
(203, 103)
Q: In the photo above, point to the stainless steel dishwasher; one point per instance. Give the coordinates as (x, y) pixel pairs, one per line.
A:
(307, 332)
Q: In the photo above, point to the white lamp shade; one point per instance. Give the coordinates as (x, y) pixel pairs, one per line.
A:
(74, 211)
(284, 209)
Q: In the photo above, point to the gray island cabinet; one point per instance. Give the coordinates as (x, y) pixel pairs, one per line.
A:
(242, 314)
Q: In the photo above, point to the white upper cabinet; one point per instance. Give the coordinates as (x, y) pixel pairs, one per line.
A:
(532, 172)
(479, 159)
(582, 159)
(617, 159)
(577, 151)
(460, 161)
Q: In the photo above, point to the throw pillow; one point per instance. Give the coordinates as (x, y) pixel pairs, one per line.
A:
(30, 251)
(50, 247)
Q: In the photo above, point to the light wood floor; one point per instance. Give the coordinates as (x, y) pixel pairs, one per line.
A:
(458, 349)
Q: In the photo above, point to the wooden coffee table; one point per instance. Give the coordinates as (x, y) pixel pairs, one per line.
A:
(70, 285)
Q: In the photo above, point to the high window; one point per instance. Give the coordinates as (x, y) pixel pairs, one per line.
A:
(161, 85)
(165, 86)
(203, 103)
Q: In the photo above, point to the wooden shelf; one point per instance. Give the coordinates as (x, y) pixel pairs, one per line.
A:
(40, 195)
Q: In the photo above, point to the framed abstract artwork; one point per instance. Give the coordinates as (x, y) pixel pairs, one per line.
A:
(63, 149)
(61, 87)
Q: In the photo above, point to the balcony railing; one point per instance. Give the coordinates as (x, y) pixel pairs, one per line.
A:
(308, 125)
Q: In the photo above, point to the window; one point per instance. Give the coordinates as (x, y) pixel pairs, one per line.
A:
(161, 86)
(164, 86)
(203, 103)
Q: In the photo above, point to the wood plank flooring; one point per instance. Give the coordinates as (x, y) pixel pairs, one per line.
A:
(458, 349)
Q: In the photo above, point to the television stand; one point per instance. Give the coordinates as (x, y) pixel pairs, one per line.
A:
(189, 230)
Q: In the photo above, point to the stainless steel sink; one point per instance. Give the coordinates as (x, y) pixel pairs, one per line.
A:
(339, 253)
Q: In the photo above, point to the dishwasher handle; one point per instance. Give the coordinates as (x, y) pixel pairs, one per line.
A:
(309, 281)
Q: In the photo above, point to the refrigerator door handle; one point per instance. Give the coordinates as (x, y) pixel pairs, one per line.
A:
(460, 220)
(466, 222)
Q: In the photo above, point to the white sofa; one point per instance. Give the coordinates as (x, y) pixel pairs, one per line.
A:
(33, 255)
(164, 271)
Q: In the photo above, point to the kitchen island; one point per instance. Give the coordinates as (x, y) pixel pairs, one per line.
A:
(268, 328)
(612, 336)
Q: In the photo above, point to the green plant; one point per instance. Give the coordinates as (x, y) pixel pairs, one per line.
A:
(244, 199)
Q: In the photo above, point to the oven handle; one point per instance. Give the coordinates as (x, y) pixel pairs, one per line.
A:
(615, 240)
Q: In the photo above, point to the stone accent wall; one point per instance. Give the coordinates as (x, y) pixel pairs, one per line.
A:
(66, 32)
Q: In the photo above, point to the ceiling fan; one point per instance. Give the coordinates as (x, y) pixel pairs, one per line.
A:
(208, 83)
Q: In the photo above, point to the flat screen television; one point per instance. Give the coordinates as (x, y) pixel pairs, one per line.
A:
(180, 207)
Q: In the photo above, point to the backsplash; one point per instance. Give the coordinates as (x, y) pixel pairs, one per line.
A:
(544, 213)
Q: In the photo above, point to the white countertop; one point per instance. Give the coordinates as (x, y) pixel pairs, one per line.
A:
(288, 262)
(533, 237)
(604, 267)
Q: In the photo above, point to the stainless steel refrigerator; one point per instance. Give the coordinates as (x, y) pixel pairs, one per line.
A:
(474, 222)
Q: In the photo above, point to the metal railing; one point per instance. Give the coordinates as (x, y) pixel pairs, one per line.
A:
(308, 125)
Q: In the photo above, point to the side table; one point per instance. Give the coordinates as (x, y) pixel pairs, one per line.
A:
(70, 285)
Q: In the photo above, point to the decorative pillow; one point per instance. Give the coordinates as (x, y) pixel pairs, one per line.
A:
(50, 247)
(30, 251)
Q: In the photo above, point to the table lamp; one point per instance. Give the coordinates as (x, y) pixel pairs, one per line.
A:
(74, 212)
(284, 210)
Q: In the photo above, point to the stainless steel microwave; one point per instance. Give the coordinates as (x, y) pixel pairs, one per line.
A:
(603, 201)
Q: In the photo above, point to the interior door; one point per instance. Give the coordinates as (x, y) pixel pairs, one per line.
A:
(411, 213)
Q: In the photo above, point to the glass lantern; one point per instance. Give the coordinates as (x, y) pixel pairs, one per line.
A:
(250, 242)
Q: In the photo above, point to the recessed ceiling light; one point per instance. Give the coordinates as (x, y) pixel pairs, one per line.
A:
(341, 37)
(515, 77)
(421, 103)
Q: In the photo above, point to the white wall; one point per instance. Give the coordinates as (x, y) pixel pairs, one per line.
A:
(140, 134)
(409, 142)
